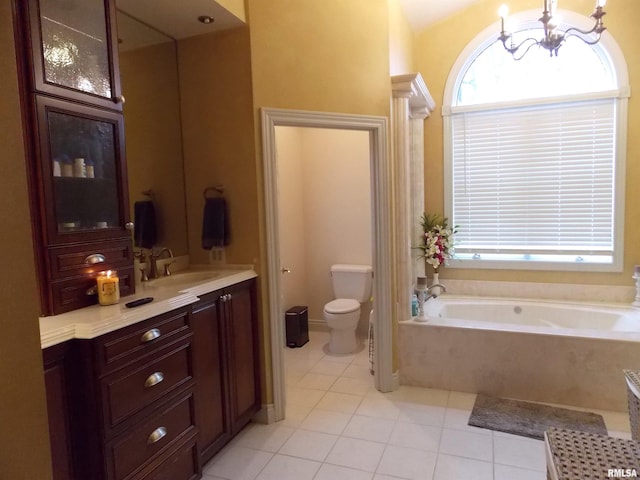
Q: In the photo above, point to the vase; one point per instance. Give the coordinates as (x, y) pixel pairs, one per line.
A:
(436, 281)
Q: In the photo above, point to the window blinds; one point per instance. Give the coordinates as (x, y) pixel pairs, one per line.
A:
(535, 180)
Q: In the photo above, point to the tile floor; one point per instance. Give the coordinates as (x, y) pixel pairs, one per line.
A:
(338, 427)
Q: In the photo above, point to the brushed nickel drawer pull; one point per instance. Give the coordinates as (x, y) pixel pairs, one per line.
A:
(157, 435)
(154, 379)
(150, 335)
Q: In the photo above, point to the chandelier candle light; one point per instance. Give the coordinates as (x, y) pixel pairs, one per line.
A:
(553, 37)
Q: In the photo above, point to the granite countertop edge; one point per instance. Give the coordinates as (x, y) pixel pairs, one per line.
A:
(91, 322)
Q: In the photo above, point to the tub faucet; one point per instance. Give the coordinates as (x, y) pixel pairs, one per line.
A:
(431, 294)
(153, 260)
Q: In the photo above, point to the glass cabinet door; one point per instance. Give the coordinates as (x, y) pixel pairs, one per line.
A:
(73, 53)
(83, 171)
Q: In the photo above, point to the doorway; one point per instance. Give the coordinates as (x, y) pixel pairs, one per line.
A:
(380, 176)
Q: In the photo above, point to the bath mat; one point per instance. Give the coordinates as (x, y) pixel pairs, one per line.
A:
(530, 419)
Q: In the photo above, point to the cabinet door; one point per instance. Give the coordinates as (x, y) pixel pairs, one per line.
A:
(83, 172)
(73, 45)
(241, 324)
(208, 368)
(56, 378)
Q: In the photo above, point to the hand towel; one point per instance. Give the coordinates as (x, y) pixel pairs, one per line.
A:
(144, 226)
(215, 223)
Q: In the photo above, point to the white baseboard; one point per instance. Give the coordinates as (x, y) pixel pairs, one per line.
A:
(265, 415)
(318, 325)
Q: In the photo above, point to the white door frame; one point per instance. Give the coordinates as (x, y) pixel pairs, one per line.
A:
(381, 197)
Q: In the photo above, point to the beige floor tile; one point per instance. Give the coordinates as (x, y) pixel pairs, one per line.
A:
(282, 467)
(264, 437)
(354, 386)
(335, 472)
(449, 467)
(340, 402)
(523, 453)
(309, 445)
(505, 472)
(326, 421)
(356, 453)
(413, 435)
(238, 463)
(407, 463)
(369, 428)
(317, 381)
(467, 444)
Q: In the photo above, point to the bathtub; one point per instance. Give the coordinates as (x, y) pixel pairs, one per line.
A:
(566, 353)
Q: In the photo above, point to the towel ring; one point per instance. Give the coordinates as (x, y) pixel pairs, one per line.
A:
(219, 189)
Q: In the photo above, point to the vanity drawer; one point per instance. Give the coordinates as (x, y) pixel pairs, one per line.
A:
(184, 465)
(131, 389)
(132, 451)
(71, 294)
(132, 343)
(69, 261)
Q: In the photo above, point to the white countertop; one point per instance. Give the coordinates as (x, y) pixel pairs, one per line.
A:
(180, 289)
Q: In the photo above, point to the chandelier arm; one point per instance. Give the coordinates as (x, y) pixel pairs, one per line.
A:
(583, 32)
(525, 52)
(588, 42)
(513, 50)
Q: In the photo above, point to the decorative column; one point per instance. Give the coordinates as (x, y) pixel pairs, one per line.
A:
(411, 104)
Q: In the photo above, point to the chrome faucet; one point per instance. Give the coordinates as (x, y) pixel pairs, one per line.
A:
(431, 295)
(153, 260)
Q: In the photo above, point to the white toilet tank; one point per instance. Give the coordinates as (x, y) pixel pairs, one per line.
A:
(352, 281)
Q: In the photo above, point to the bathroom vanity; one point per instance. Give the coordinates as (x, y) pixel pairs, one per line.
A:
(153, 392)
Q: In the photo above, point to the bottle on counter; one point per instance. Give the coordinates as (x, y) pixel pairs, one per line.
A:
(79, 168)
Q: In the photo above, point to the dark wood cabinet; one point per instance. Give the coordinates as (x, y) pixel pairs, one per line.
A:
(157, 399)
(123, 407)
(75, 143)
(74, 50)
(56, 376)
(209, 367)
(225, 364)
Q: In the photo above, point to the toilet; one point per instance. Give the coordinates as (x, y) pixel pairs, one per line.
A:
(351, 287)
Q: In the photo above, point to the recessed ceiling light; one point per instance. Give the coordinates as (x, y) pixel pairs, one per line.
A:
(206, 19)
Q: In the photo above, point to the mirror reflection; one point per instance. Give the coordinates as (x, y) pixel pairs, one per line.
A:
(153, 134)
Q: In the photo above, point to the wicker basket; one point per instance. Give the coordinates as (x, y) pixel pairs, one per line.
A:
(633, 394)
(587, 456)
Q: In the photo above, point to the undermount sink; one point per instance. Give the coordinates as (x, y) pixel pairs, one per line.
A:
(187, 278)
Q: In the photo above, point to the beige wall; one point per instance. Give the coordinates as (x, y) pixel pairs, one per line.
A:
(400, 40)
(291, 216)
(217, 123)
(24, 446)
(322, 56)
(436, 49)
(153, 137)
(325, 186)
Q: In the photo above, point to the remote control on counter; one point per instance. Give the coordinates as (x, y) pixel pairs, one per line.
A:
(140, 301)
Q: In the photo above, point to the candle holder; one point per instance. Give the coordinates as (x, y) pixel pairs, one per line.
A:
(108, 285)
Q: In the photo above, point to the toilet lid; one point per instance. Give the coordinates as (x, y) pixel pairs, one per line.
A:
(342, 305)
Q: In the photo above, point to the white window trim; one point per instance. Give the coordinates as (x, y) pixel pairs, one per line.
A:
(611, 53)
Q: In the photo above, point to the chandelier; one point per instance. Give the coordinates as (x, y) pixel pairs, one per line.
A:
(553, 36)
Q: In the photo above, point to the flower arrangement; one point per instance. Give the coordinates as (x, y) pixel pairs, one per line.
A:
(437, 240)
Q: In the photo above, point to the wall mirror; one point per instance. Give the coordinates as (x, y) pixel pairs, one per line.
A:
(153, 133)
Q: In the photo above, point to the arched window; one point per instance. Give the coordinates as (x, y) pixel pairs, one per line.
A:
(535, 154)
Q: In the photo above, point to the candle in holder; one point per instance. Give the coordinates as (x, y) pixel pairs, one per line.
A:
(421, 284)
(108, 287)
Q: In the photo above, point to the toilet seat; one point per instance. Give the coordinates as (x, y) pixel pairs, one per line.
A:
(341, 306)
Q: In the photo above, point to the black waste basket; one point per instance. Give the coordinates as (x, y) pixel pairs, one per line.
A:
(297, 323)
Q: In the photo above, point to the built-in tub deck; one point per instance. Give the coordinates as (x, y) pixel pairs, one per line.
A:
(568, 353)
